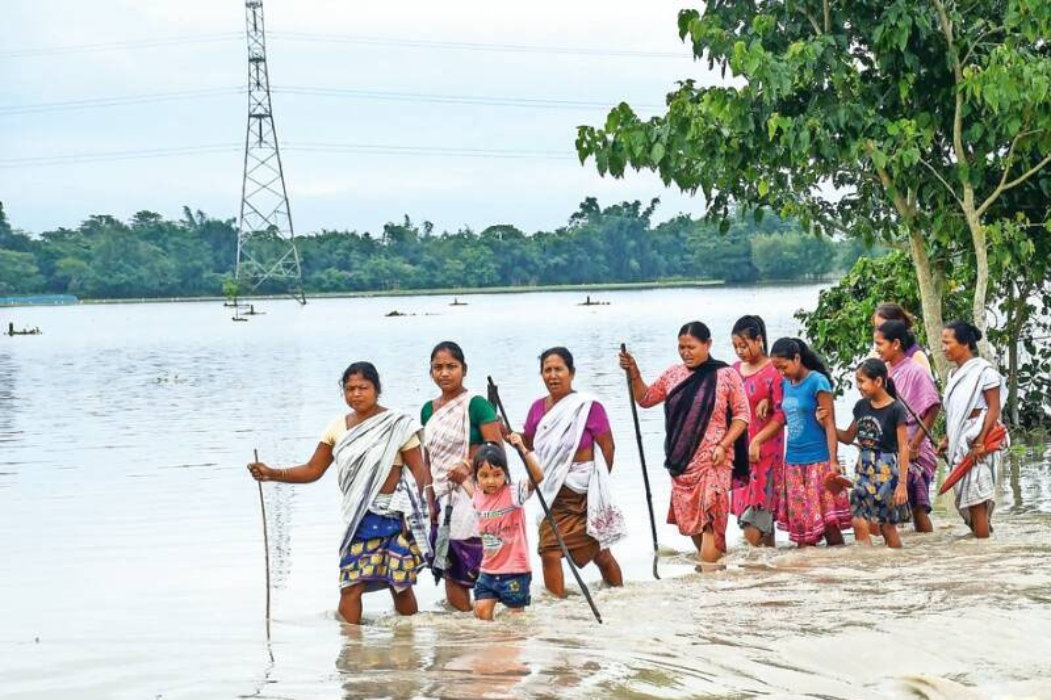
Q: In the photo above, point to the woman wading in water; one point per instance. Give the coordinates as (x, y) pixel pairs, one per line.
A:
(917, 391)
(381, 474)
(455, 424)
(706, 415)
(973, 400)
(564, 428)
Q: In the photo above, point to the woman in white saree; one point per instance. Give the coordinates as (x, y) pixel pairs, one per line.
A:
(973, 400)
(381, 475)
(564, 428)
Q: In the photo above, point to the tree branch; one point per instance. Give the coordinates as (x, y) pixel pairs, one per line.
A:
(978, 42)
(810, 18)
(957, 122)
(828, 16)
(942, 180)
(1007, 171)
(1013, 183)
(899, 202)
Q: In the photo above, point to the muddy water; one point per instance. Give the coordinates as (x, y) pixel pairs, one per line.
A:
(131, 560)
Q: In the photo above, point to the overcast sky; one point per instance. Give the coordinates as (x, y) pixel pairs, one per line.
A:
(342, 50)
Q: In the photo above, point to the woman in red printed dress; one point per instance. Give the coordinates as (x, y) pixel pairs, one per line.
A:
(706, 415)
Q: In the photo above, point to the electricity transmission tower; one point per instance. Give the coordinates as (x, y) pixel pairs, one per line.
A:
(266, 244)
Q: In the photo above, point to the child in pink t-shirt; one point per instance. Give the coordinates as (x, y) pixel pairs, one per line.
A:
(500, 506)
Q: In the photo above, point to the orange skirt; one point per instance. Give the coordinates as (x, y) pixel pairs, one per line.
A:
(570, 511)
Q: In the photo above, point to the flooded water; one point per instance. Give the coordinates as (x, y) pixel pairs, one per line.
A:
(131, 559)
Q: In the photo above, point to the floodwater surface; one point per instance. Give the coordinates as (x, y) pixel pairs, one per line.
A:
(131, 549)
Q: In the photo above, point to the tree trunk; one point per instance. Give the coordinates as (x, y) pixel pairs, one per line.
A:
(981, 281)
(930, 300)
(1012, 326)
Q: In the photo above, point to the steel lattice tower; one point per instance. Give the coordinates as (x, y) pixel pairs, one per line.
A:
(266, 245)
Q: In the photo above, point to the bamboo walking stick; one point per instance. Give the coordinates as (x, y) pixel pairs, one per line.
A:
(923, 427)
(642, 460)
(495, 395)
(266, 549)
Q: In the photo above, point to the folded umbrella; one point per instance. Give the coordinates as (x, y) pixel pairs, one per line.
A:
(835, 483)
(993, 441)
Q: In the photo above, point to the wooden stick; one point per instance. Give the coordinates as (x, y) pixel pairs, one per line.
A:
(495, 393)
(642, 460)
(266, 549)
(919, 422)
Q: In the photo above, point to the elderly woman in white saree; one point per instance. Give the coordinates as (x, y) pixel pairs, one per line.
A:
(973, 400)
(381, 475)
(564, 428)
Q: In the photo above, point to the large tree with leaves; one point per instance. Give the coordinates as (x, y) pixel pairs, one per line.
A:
(908, 121)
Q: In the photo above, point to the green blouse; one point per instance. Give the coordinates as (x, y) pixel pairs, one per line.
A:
(479, 411)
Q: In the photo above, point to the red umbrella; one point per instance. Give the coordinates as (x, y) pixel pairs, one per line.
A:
(993, 441)
(835, 483)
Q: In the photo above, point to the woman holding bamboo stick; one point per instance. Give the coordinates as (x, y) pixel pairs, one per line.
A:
(381, 475)
(706, 415)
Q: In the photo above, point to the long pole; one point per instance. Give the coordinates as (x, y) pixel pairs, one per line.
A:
(266, 549)
(642, 460)
(495, 393)
(919, 422)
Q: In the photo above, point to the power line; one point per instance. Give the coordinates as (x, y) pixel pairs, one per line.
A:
(344, 93)
(120, 45)
(304, 147)
(362, 40)
(483, 100)
(105, 156)
(98, 102)
(472, 46)
(382, 149)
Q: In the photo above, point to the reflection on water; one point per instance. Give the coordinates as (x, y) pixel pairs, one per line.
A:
(131, 563)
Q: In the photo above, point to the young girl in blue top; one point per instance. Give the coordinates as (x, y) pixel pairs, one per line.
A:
(806, 509)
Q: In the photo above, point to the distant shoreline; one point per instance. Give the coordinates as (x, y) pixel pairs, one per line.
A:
(455, 291)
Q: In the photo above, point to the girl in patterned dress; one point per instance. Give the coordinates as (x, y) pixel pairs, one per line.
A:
(880, 492)
(755, 502)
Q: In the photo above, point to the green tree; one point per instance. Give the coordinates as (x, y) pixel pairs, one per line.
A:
(921, 116)
(840, 327)
(792, 256)
(19, 273)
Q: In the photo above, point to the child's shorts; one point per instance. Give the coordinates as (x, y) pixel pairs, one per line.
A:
(510, 589)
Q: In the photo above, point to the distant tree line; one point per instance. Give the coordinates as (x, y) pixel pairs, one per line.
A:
(150, 256)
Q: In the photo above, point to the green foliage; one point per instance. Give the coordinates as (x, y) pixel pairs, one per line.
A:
(840, 327)
(819, 100)
(19, 273)
(922, 123)
(150, 256)
(792, 256)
